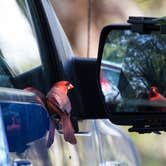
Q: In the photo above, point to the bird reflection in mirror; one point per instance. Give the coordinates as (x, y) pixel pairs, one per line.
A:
(156, 97)
(152, 100)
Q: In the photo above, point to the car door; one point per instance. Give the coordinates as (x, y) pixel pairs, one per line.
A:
(35, 52)
(21, 66)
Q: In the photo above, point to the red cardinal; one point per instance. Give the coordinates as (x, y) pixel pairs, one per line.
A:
(155, 96)
(59, 103)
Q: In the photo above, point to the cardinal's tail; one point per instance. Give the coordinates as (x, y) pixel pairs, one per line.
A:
(67, 128)
(51, 133)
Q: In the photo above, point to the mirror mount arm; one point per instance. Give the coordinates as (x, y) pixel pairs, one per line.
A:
(143, 24)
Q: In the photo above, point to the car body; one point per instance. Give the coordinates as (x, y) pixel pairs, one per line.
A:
(40, 35)
(109, 78)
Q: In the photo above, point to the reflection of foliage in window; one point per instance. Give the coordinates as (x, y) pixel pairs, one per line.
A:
(5, 72)
(1, 55)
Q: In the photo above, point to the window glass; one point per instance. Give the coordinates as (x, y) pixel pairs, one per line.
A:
(18, 46)
(4, 157)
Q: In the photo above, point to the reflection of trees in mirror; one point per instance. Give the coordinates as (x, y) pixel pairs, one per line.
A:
(143, 55)
(143, 65)
(114, 49)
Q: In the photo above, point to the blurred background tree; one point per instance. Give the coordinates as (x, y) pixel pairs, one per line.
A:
(73, 15)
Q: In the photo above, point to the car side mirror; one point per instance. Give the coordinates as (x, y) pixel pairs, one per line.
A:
(132, 74)
(25, 120)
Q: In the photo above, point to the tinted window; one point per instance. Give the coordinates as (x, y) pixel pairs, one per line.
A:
(18, 46)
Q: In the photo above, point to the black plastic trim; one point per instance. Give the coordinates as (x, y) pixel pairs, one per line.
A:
(123, 118)
(52, 66)
(86, 81)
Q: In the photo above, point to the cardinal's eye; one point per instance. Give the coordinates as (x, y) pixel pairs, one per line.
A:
(67, 84)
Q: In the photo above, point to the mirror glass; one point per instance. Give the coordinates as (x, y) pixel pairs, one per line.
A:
(133, 71)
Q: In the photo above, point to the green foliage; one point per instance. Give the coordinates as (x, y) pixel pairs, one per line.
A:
(114, 49)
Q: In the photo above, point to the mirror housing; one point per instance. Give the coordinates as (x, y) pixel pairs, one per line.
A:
(143, 122)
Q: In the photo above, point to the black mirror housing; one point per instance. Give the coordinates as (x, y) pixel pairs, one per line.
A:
(124, 106)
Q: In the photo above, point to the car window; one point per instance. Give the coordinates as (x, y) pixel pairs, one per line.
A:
(18, 46)
(4, 157)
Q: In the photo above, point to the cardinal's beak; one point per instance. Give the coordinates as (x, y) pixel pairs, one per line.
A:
(70, 86)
